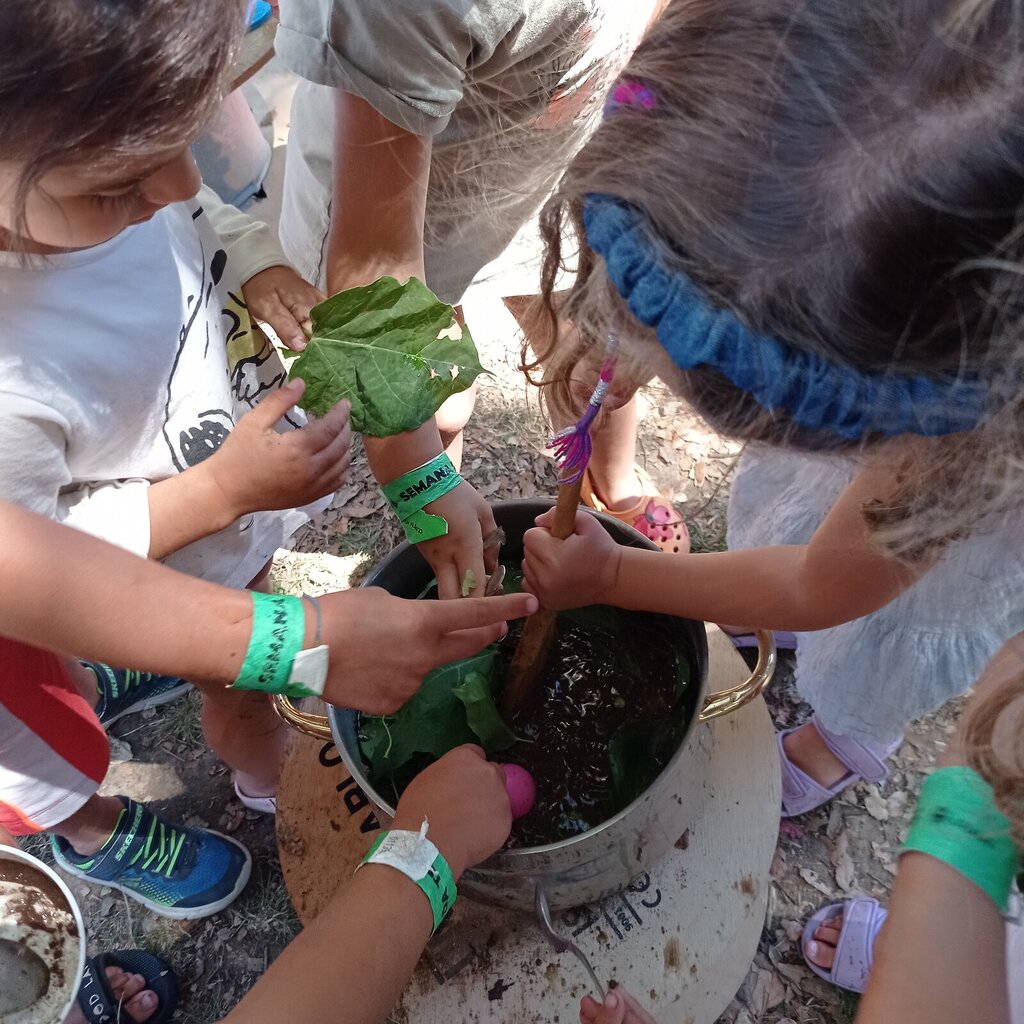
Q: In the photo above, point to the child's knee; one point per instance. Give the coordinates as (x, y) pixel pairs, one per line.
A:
(454, 415)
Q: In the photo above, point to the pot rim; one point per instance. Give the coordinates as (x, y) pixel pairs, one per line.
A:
(355, 764)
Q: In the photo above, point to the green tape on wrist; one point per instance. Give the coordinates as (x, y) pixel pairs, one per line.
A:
(278, 629)
(419, 860)
(958, 823)
(411, 492)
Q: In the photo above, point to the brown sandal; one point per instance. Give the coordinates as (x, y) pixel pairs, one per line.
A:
(653, 515)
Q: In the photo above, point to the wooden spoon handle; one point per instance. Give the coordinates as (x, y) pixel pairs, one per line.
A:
(530, 658)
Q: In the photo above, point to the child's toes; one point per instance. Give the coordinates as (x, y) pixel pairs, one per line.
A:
(821, 954)
(141, 1006)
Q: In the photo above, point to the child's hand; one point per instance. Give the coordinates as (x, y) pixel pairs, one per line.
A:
(619, 1007)
(570, 573)
(463, 797)
(280, 297)
(469, 520)
(257, 469)
(383, 646)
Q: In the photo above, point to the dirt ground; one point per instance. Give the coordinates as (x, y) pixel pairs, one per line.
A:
(159, 756)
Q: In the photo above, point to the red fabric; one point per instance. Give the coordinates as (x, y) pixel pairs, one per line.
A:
(36, 688)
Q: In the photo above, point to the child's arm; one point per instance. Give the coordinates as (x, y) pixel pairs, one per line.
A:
(361, 950)
(839, 576)
(65, 590)
(380, 184)
(274, 293)
(255, 469)
(938, 918)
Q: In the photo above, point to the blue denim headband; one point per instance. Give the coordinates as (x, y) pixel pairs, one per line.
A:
(813, 391)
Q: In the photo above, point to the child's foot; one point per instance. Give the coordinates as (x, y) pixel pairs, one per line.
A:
(128, 985)
(253, 798)
(839, 942)
(123, 691)
(177, 872)
(805, 749)
(644, 508)
(818, 765)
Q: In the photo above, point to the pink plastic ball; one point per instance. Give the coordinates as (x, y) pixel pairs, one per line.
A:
(521, 789)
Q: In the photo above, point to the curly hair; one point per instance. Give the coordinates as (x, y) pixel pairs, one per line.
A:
(848, 178)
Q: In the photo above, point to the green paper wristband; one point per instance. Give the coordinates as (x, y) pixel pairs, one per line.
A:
(278, 629)
(411, 492)
(958, 823)
(435, 880)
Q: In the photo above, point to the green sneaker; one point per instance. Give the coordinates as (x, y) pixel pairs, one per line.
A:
(177, 872)
(123, 691)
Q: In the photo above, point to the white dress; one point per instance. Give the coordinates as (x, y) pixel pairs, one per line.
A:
(868, 679)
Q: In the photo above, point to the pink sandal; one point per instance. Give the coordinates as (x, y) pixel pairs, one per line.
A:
(653, 515)
(801, 793)
(863, 918)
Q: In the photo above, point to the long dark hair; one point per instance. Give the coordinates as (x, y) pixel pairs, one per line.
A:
(107, 80)
(847, 177)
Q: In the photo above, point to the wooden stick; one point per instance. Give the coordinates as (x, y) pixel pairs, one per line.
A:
(534, 647)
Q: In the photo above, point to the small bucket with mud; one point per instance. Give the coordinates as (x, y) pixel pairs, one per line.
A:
(42, 942)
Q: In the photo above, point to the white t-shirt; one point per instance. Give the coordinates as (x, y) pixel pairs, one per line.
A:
(126, 363)
(507, 89)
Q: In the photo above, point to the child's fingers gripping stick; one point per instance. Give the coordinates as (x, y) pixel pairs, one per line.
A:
(572, 572)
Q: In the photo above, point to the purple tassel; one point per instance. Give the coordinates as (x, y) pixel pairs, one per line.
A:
(572, 447)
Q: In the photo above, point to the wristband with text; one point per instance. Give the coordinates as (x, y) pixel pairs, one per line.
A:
(958, 823)
(419, 860)
(274, 661)
(408, 495)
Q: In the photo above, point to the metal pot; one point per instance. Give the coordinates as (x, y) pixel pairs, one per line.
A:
(596, 863)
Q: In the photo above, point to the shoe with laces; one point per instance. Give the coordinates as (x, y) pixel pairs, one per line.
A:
(178, 872)
(124, 691)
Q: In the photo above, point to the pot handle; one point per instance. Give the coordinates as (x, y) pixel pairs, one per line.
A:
(305, 722)
(727, 701)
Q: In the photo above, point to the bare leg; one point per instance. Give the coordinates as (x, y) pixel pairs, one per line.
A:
(92, 824)
(243, 729)
(451, 419)
(611, 464)
(614, 456)
(806, 749)
(84, 680)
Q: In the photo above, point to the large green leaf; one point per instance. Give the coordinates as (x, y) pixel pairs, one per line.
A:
(482, 714)
(395, 351)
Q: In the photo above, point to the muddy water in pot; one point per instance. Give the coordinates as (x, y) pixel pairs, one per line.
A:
(599, 685)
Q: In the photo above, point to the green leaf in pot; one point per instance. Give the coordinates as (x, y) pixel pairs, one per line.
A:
(482, 713)
(637, 753)
(395, 351)
(433, 722)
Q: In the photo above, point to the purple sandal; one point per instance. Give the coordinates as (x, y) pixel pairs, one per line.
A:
(748, 641)
(863, 917)
(800, 793)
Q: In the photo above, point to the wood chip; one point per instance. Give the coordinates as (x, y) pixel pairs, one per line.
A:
(843, 863)
(815, 882)
(359, 511)
(875, 804)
